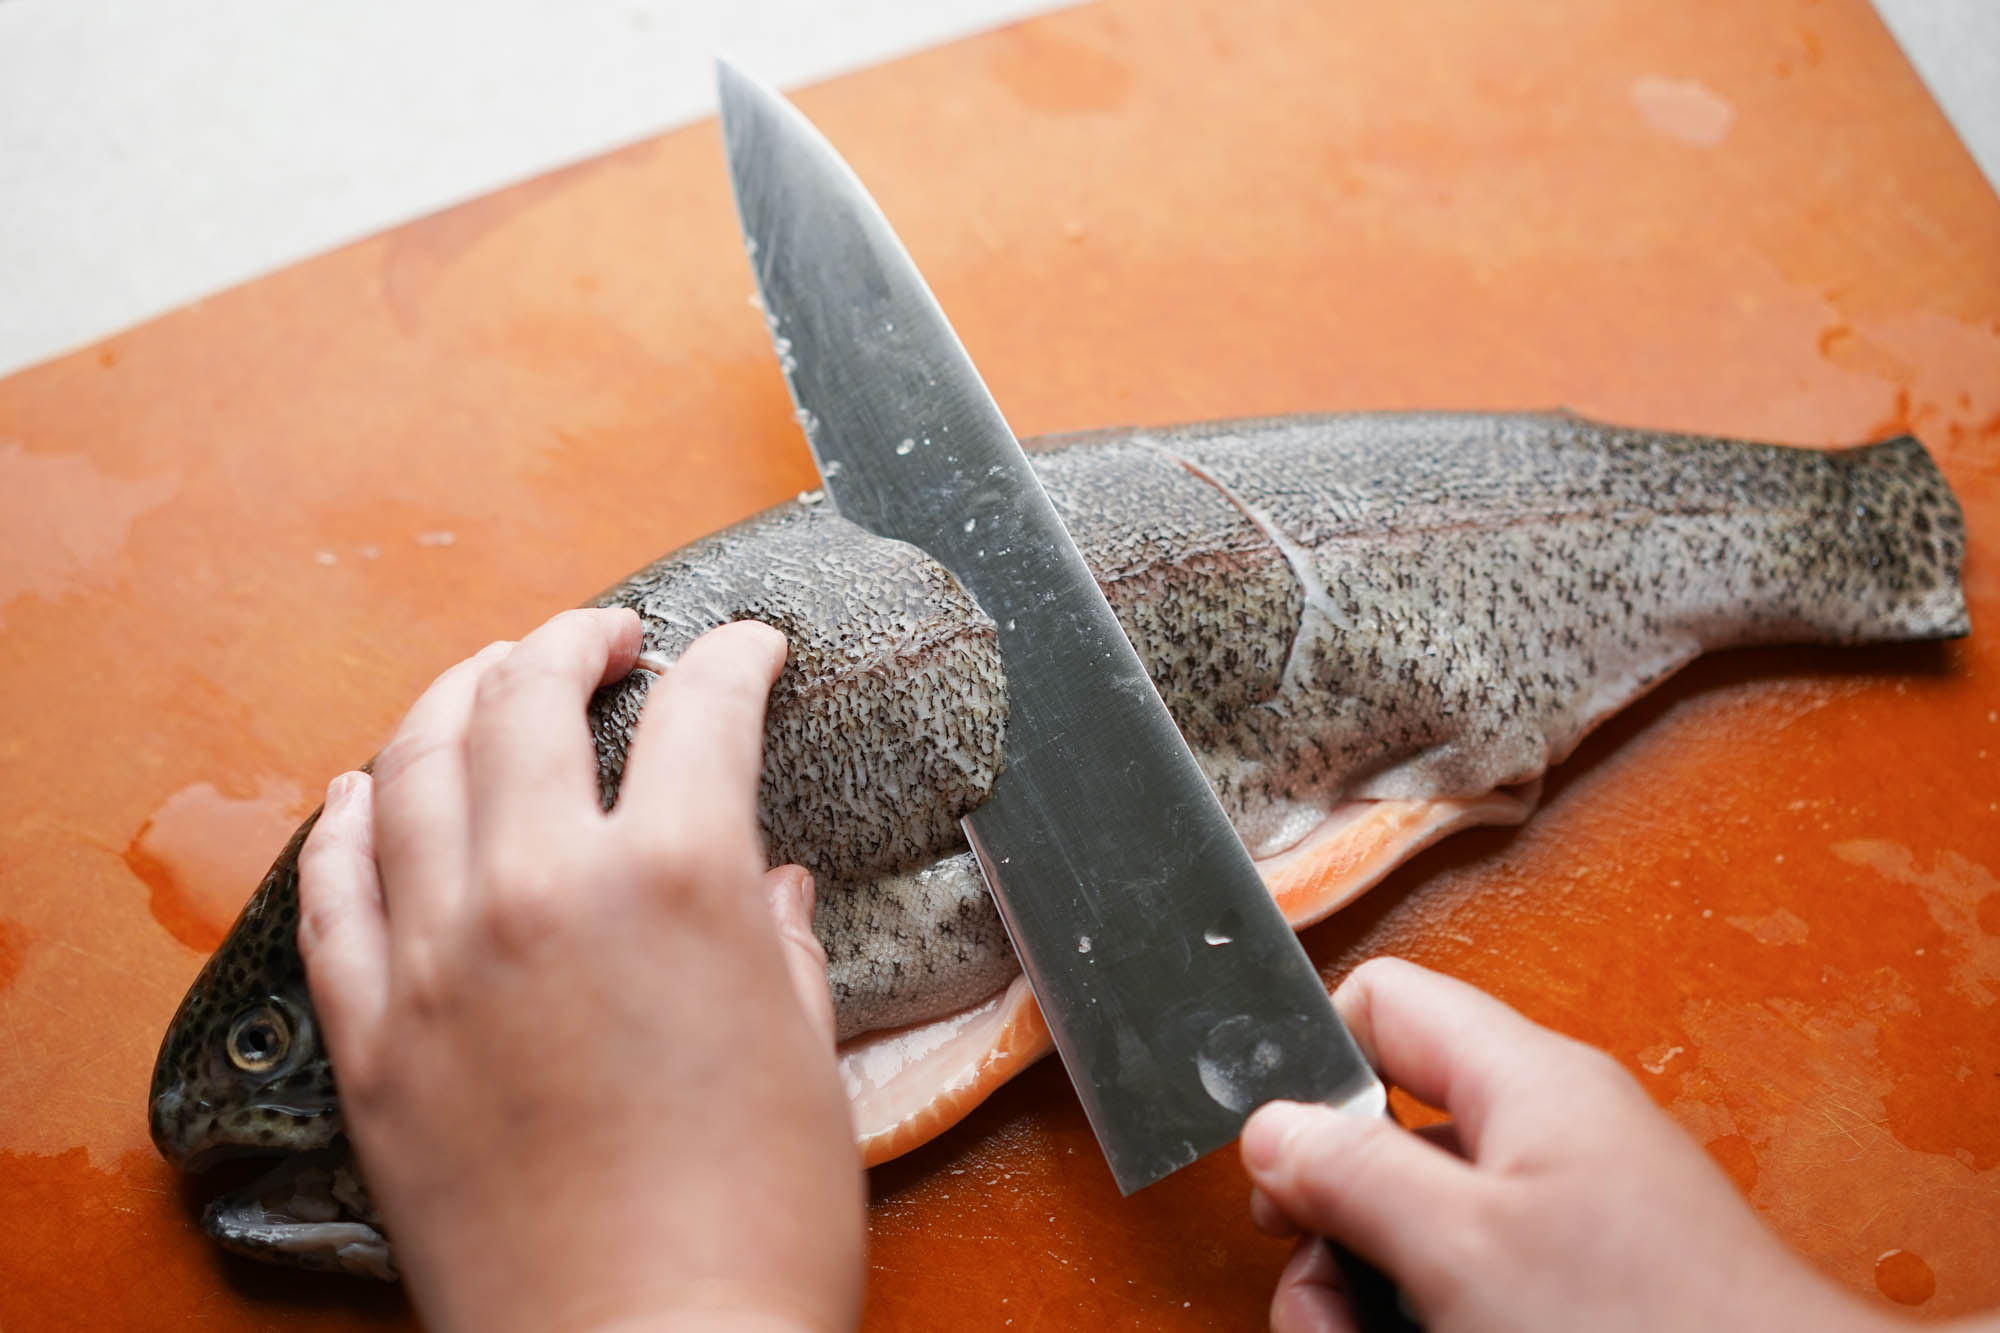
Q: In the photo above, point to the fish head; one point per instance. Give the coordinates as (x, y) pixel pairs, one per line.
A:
(241, 1070)
(242, 1073)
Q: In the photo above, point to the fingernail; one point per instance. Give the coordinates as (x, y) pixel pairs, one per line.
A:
(775, 640)
(792, 899)
(1270, 1130)
(341, 790)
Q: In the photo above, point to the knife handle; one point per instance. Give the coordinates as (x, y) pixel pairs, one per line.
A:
(1372, 1295)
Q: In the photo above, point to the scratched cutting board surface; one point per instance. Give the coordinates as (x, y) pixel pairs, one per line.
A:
(236, 542)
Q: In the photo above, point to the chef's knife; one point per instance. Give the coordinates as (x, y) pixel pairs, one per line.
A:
(1178, 997)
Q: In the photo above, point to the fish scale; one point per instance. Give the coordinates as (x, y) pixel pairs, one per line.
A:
(1337, 610)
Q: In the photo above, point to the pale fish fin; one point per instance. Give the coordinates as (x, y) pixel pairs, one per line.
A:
(1363, 841)
(909, 1085)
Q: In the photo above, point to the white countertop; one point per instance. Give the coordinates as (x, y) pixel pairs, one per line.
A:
(153, 153)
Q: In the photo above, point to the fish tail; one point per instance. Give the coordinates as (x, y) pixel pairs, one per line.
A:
(1900, 544)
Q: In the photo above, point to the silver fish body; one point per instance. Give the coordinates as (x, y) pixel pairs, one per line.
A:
(1335, 609)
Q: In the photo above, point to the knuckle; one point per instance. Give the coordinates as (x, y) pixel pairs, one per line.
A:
(507, 680)
(521, 899)
(718, 678)
(319, 922)
(676, 853)
(582, 636)
(523, 918)
(581, 617)
(332, 841)
(1343, 1161)
(406, 753)
(673, 878)
(1300, 1304)
(1322, 1163)
(705, 883)
(424, 981)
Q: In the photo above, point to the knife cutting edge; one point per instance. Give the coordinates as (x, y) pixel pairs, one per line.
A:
(1178, 997)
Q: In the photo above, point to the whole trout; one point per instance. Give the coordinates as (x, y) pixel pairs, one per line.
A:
(1413, 612)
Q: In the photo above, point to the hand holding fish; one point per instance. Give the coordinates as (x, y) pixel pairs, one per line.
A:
(1558, 1197)
(590, 1080)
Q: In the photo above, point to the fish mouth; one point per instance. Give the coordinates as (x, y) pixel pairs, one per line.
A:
(194, 1133)
(196, 1148)
(310, 1210)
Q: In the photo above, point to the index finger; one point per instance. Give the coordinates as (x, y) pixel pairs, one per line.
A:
(1457, 1047)
(420, 821)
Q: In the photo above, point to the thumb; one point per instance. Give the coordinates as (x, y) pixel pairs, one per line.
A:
(343, 932)
(1361, 1179)
(789, 891)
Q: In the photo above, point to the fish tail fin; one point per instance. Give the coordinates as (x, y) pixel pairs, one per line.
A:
(1903, 540)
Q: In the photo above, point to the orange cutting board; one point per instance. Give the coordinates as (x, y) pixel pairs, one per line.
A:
(237, 541)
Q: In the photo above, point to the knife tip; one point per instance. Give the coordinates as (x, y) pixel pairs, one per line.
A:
(732, 79)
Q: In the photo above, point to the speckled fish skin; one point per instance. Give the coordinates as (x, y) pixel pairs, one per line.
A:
(1334, 608)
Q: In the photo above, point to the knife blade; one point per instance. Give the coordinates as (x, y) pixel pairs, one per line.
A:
(1178, 997)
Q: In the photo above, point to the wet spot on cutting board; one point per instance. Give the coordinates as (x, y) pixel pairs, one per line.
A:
(1683, 109)
(203, 853)
(1961, 897)
(1780, 927)
(12, 944)
(66, 520)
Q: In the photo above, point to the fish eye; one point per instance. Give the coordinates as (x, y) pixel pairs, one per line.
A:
(260, 1038)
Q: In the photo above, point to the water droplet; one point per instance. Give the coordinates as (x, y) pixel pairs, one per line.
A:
(906, 446)
(1904, 1278)
(1226, 928)
(1083, 944)
(1010, 624)
(971, 523)
(832, 469)
(812, 497)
